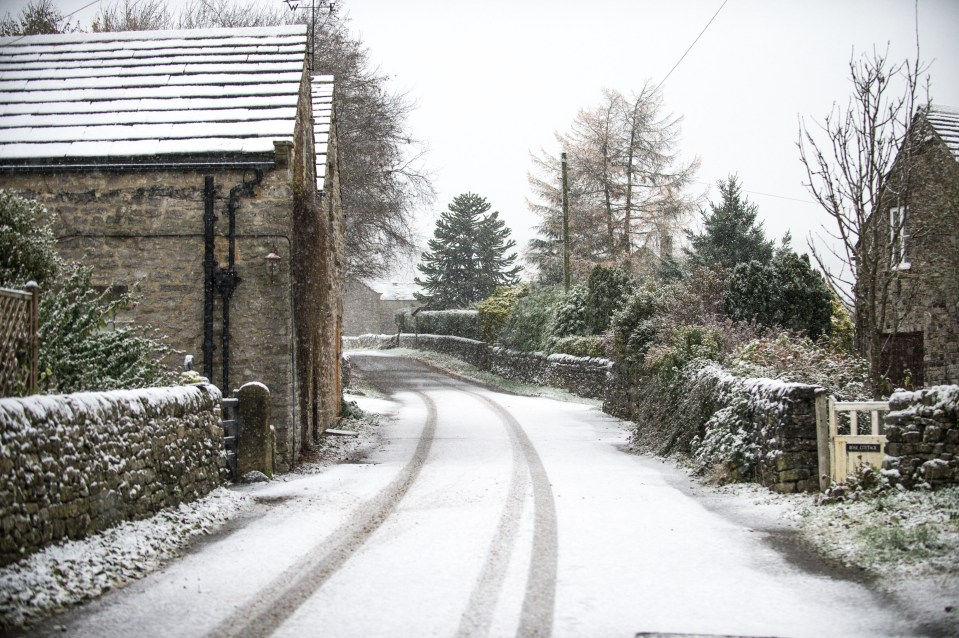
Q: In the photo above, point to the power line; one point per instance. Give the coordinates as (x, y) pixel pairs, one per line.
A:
(792, 199)
(691, 45)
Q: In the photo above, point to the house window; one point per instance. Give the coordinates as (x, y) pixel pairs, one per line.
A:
(899, 236)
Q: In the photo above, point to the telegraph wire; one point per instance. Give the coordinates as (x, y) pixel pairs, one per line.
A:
(661, 82)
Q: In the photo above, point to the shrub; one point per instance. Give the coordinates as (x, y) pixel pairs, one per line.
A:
(729, 443)
(494, 311)
(633, 327)
(688, 344)
(405, 321)
(570, 316)
(27, 243)
(78, 352)
(799, 359)
(591, 346)
(787, 293)
(528, 326)
(457, 323)
(606, 291)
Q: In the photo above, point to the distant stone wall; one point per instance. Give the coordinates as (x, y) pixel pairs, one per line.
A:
(922, 434)
(582, 376)
(72, 465)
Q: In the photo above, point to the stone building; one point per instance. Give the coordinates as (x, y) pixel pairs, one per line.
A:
(198, 168)
(371, 305)
(920, 340)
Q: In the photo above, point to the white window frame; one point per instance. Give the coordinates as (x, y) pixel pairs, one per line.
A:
(899, 241)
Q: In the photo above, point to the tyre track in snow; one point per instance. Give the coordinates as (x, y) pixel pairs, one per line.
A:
(282, 597)
(536, 616)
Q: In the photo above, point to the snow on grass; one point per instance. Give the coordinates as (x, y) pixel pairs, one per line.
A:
(71, 572)
(892, 534)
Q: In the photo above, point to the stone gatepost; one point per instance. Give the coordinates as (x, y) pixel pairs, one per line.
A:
(254, 450)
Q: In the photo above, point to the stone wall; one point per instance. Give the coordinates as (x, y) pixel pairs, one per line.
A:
(72, 465)
(774, 422)
(582, 376)
(922, 436)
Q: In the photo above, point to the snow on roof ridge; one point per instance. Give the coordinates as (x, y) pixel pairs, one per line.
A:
(943, 108)
(167, 34)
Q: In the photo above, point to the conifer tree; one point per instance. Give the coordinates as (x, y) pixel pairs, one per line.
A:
(467, 257)
(730, 234)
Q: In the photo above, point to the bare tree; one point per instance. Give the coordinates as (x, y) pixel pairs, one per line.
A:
(204, 14)
(850, 160)
(625, 179)
(38, 17)
(133, 15)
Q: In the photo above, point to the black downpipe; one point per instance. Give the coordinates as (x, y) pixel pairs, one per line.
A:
(227, 279)
(209, 266)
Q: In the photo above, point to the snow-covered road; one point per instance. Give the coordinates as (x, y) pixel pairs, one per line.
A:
(486, 514)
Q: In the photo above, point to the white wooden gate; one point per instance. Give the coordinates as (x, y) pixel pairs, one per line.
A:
(849, 451)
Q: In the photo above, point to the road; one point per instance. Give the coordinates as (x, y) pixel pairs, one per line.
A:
(487, 514)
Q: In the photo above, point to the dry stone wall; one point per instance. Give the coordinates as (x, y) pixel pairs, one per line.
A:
(922, 434)
(72, 465)
(582, 376)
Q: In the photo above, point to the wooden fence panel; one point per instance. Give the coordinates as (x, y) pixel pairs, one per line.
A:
(19, 341)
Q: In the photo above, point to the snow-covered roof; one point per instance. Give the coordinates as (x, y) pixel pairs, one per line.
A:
(147, 93)
(945, 121)
(393, 290)
(322, 96)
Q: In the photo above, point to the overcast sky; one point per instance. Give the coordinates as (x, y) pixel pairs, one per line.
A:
(495, 79)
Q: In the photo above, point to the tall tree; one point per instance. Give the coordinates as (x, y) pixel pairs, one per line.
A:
(849, 160)
(627, 185)
(467, 257)
(38, 17)
(730, 233)
(382, 176)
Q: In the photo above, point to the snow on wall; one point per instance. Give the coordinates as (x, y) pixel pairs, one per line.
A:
(71, 465)
(211, 90)
(922, 436)
(583, 376)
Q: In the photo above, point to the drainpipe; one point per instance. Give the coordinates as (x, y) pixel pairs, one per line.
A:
(209, 265)
(227, 279)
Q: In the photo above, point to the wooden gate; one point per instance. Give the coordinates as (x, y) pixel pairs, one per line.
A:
(851, 449)
(231, 431)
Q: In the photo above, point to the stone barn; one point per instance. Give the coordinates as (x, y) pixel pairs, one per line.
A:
(920, 341)
(371, 305)
(198, 168)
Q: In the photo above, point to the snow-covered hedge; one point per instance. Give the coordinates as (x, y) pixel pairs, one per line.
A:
(922, 433)
(75, 464)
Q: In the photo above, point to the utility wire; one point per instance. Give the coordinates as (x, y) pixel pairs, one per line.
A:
(691, 45)
(792, 199)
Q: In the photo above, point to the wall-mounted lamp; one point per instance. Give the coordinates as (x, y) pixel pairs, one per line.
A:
(273, 263)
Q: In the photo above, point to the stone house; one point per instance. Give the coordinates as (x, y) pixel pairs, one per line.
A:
(371, 305)
(199, 168)
(920, 340)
